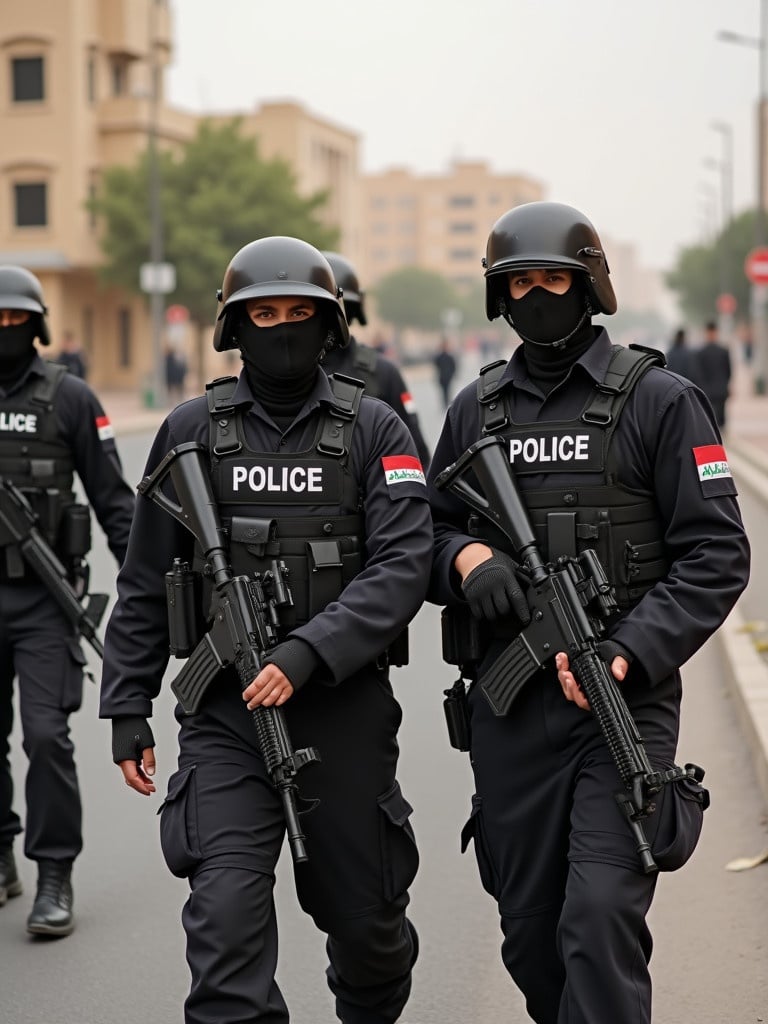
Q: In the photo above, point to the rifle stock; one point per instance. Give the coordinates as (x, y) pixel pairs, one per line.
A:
(243, 624)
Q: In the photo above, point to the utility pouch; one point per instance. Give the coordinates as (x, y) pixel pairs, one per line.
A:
(75, 531)
(461, 636)
(183, 598)
(456, 708)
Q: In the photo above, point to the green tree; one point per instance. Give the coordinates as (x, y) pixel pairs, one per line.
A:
(705, 271)
(412, 297)
(217, 194)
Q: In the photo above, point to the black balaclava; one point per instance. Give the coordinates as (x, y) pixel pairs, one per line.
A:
(17, 350)
(556, 331)
(281, 363)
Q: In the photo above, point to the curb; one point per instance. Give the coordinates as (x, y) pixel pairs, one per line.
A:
(746, 674)
(746, 671)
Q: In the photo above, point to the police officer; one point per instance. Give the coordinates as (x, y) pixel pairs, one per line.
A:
(611, 452)
(305, 470)
(381, 377)
(51, 427)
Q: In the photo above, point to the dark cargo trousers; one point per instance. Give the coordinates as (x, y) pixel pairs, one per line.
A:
(222, 827)
(39, 648)
(557, 855)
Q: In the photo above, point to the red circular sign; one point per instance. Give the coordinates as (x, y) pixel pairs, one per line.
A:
(756, 265)
(726, 303)
(180, 314)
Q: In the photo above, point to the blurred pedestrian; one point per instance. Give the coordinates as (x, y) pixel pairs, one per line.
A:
(680, 359)
(713, 366)
(175, 375)
(446, 366)
(71, 356)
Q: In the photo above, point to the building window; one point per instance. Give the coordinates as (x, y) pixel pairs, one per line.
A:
(379, 202)
(462, 227)
(88, 330)
(28, 80)
(461, 254)
(124, 336)
(119, 72)
(461, 200)
(90, 78)
(92, 219)
(30, 204)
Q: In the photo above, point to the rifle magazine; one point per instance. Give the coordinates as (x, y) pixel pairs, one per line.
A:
(190, 684)
(508, 675)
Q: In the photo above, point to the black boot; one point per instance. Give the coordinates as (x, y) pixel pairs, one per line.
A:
(10, 883)
(52, 909)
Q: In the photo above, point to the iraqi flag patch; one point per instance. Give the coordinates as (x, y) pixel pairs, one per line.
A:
(711, 465)
(408, 403)
(402, 469)
(104, 428)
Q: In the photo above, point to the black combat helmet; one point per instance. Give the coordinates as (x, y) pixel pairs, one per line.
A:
(545, 235)
(348, 281)
(276, 266)
(20, 289)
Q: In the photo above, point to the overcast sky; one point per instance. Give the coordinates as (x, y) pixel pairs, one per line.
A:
(609, 103)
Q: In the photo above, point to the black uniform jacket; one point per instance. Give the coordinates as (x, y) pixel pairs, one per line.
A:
(352, 631)
(85, 428)
(664, 420)
(392, 389)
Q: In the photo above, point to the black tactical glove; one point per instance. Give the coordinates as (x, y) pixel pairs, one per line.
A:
(130, 736)
(296, 659)
(609, 649)
(492, 590)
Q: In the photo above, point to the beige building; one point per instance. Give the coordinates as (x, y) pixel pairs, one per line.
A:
(437, 222)
(76, 96)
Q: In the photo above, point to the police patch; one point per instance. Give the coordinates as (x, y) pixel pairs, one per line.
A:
(401, 469)
(104, 428)
(711, 466)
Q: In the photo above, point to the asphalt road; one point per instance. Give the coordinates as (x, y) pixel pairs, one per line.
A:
(126, 958)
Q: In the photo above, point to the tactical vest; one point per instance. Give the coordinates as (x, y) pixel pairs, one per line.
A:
(622, 525)
(364, 365)
(304, 508)
(37, 460)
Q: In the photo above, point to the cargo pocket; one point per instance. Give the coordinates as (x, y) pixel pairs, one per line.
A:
(179, 838)
(72, 676)
(681, 816)
(474, 831)
(399, 855)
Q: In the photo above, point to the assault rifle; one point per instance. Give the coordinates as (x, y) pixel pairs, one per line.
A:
(19, 528)
(245, 616)
(569, 600)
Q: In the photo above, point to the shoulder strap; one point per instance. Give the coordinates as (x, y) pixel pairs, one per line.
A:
(627, 365)
(494, 412)
(341, 416)
(365, 358)
(44, 389)
(224, 439)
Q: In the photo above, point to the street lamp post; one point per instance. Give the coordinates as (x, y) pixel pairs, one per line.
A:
(758, 295)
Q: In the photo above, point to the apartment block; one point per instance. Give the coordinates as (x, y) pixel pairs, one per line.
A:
(437, 222)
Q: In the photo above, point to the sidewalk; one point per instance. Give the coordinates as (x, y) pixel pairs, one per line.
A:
(746, 441)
